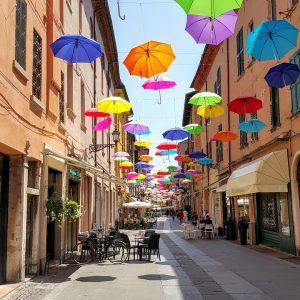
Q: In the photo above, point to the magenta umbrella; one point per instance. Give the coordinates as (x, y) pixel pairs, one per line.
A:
(206, 30)
(158, 83)
(131, 175)
(102, 125)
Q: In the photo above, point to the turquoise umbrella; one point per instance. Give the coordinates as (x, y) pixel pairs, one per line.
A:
(253, 125)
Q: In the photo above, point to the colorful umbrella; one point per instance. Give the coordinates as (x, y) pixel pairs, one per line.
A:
(157, 153)
(205, 98)
(149, 59)
(102, 125)
(271, 40)
(134, 127)
(206, 161)
(283, 75)
(121, 159)
(226, 136)
(140, 177)
(194, 128)
(192, 171)
(184, 158)
(142, 143)
(210, 8)
(253, 125)
(197, 154)
(210, 111)
(76, 48)
(131, 175)
(114, 105)
(207, 30)
(121, 154)
(145, 158)
(126, 165)
(94, 112)
(163, 172)
(172, 168)
(143, 133)
(168, 152)
(179, 175)
(140, 165)
(167, 146)
(187, 181)
(175, 134)
(245, 105)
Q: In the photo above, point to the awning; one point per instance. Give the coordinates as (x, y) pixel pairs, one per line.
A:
(268, 174)
(221, 188)
(84, 165)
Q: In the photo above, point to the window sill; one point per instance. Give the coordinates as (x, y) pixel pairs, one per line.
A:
(83, 127)
(244, 146)
(295, 115)
(240, 76)
(71, 114)
(37, 103)
(20, 70)
(274, 128)
(251, 63)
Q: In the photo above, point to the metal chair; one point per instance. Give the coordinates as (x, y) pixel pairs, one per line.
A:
(209, 231)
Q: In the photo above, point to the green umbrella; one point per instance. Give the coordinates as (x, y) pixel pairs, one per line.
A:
(172, 168)
(194, 128)
(210, 8)
(121, 159)
(205, 98)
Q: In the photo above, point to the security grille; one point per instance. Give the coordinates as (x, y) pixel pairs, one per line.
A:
(20, 46)
(37, 65)
(62, 99)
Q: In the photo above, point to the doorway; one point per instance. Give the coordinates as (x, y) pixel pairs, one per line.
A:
(4, 181)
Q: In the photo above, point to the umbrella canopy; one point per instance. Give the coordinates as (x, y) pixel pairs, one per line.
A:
(121, 159)
(163, 172)
(143, 133)
(157, 153)
(187, 181)
(114, 105)
(253, 125)
(194, 128)
(175, 134)
(172, 168)
(179, 175)
(168, 152)
(94, 112)
(192, 171)
(126, 165)
(131, 175)
(213, 31)
(76, 48)
(210, 111)
(149, 59)
(167, 146)
(140, 177)
(102, 125)
(141, 165)
(145, 158)
(197, 154)
(210, 8)
(226, 136)
(137, 204)
(143, 143)
(134, 127)
(245, 105)
(158, 83)
(184, 158)
(283, 75)
(206, 161)
(271, 40)
(121, 154)
(205, 98)
(188, 175)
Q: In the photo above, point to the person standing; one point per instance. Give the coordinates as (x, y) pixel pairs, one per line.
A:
(180, 216)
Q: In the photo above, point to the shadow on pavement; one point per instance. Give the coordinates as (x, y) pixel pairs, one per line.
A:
(96, 278)
(156, 277)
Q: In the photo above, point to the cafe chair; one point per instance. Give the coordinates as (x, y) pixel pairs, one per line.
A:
(209, 231)
(152, 247)
(125, 238)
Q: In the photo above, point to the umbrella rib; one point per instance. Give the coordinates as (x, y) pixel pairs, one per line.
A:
(142, 56)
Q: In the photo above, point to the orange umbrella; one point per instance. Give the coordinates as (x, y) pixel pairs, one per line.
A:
(149, 59)
(145, 158)
(184, 158)
(225, 136)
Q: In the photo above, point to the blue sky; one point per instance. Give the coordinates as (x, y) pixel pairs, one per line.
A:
(163, 21)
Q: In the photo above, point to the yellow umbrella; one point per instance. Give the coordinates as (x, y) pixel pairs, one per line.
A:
(143, 143)
(114, 105)
(140, 177)
(187, 181)
(145, 158)
(210, 111)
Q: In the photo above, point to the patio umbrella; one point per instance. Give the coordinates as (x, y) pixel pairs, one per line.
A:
(205, 98)
(226, 136)
(197, 154)
(167, 146)
(102, 125)
(175, 134)
(134, 127)
(210, 8)
(283, 75)
(253, 125)
(245, 105)
(271, 40)
(210, 111)
(76, 48)
(205, 161)
(114, 105)
(194, 128)
(149, 59)
(213, 31)
(121, 154)
(131, 175)
(140, 165)
(137, 204)
(94, 112)
(143, 143)
(158, 83)
(145, 158)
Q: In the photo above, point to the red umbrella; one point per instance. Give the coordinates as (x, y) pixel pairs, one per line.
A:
(225, 136)
(157, 153)
(191, 171)
(167, 146)
(245, 105)
(94, 112)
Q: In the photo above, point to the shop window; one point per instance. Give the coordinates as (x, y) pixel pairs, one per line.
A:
(284, 215)
(243, 207)
(269, 212)
(240, 52)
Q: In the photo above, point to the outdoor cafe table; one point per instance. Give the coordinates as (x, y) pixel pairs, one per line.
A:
(137, 239)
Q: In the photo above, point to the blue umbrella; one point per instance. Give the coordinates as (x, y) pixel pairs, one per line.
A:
(168, 152)
(206, 161)
(188, 175)
(141, 165)
(177, 133)
(179, 175)
(272, 40)
(253, 125)
(76, 49)
(197, 154)
(283, 75)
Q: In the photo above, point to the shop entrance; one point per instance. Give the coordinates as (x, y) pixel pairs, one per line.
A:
(4, 173)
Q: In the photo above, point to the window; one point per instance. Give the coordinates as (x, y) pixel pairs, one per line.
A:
(274, 106)
(251, 58)
(240, 52)
(218, 89)
(243, 135)
(62, 99)
(219, 147)
(201, 120)
(273, 9)
(37, 65)
(102, 73)
(61, 11)
(82, 101)
(209, 154)
(70, 86)
(295, 88)
(20, 46)
(254, 135)
(80, 15)
(91, 29)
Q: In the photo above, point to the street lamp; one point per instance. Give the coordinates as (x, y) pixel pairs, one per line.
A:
(97, 147)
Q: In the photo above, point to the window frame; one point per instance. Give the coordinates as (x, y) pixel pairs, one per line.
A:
(243, 135)
(240, 52)
(219, 147)
(294, 88)
(274, 107)
(37, 64)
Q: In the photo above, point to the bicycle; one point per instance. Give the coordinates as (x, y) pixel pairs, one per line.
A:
(92, 248)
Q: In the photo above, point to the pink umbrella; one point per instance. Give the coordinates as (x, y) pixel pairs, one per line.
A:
(158, 83)
(131, 175)
(102, 125)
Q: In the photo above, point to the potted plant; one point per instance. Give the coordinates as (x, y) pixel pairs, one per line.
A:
(243, 226)
(72, 210)
(55, 208)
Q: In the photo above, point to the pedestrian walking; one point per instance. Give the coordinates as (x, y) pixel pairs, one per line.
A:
(180, 216)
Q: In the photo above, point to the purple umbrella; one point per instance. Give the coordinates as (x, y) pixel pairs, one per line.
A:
(134, 127)
(206, 30)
